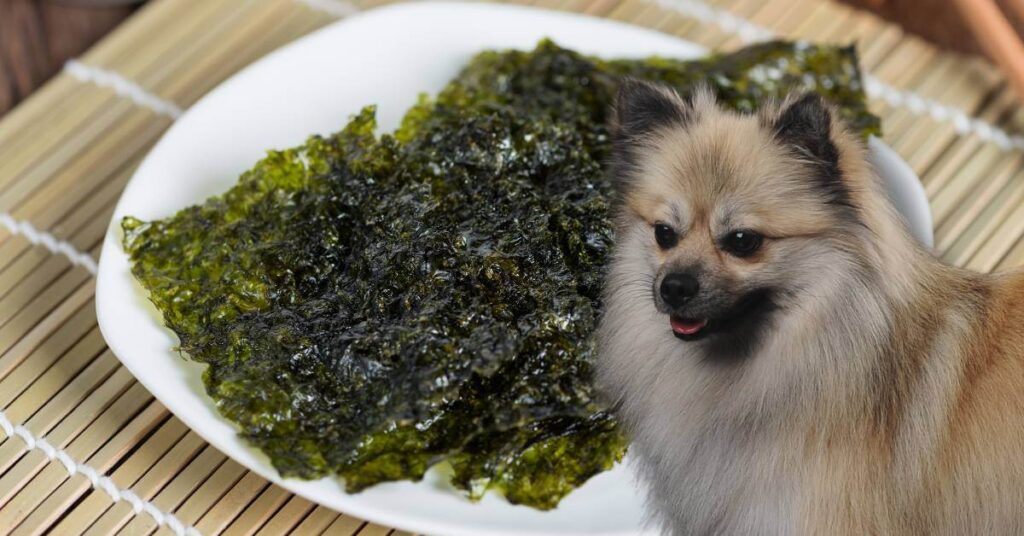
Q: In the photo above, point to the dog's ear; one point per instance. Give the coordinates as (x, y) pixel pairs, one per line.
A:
(805, 125)
(642, 107)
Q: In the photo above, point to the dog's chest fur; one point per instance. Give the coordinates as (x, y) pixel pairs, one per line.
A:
(710, 472)
(722, 481)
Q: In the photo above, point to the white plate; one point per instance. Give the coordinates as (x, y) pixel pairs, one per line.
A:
(386, 56)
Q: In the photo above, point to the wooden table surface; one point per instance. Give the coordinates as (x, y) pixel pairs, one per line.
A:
(37, 37)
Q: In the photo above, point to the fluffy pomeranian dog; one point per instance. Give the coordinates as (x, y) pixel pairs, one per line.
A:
(785, 357)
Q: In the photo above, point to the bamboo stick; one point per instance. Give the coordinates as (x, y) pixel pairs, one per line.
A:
(317, 521)
(601, 8)
(259, 511)
(183, 484)
(374, 530)
(38, 336)
(111, 452)
(99, 110)
(932, 83)
(40, 106)
(813, 11)
(626, 10)
(901, 68)
(53, 105)
(251, 40)
(110, 436)
(42, 305)
(707, 35)
(677, 25)
(345, 525)
(961, 92)
(164, 45)
(86, 109)
(229, 507)
(64, 222)
(962, 182)
(992, 190)
(214, 42)
(150, 451)
(12, 450)
(823, 27)
(946, 143)
(999, 241)
(79, 320)
(211, 492)
(40, 384)
(29, 300)
(1014, 258)
(95, 398)
(152, 482)
(988, 221)
(939, 172)
(285, 519)
(133, 33)
(113, 158)
(768, 15)
(83, 223)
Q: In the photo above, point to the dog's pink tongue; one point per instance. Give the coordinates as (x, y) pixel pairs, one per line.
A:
(687, 327)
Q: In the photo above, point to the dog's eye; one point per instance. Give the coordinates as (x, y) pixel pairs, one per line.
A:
(742, 243)
(665, 235)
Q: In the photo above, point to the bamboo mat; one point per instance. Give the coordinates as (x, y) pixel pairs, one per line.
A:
(66, 153)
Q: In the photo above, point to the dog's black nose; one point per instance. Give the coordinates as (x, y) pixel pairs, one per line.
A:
(678, 288)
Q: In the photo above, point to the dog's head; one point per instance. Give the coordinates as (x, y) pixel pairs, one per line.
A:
(726, 218)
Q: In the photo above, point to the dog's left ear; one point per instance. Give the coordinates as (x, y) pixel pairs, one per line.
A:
(806, 126)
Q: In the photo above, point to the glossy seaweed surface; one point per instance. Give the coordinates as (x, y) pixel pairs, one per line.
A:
(371, 306)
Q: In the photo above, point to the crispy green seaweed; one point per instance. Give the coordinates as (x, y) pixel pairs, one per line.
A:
(371, 306)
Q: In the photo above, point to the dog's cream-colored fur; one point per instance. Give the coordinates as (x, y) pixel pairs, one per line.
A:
(886, 392)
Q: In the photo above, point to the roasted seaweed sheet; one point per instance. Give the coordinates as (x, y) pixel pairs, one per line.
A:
(370, 306)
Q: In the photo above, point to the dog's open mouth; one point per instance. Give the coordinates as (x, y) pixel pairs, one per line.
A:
(741, 322)
(687, 328)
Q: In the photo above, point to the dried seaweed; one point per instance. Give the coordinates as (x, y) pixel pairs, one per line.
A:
(371, 306)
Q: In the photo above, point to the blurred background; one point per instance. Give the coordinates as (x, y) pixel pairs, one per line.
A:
(37, 36)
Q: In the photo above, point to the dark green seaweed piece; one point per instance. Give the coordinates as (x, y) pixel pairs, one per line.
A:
(371, 306)
(757, 73)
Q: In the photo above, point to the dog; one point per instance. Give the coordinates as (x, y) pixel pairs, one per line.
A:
(785, 358)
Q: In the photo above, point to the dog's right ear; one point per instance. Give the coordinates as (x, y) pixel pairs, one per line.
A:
(640, 109)
(643, 107)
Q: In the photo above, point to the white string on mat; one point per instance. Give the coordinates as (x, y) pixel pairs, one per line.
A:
(336, 8)
(98, 481)
(746, 30)
(962, 123)
(912, 102)
(123, 87)
(47, 240)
